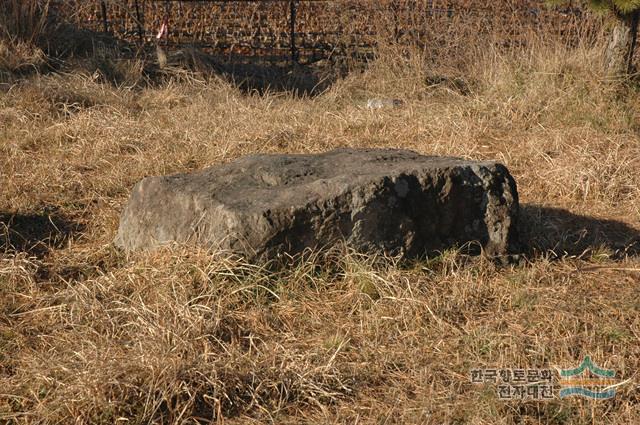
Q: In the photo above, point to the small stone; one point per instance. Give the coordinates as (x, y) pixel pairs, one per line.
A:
(384, 103)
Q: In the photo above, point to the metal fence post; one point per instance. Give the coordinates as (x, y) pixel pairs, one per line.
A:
(139, 19)
(103, 8)
(293, 9)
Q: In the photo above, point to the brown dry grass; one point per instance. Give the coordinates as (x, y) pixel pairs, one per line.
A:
(89, 335)
(22, 25)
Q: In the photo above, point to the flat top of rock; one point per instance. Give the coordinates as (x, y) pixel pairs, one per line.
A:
(239, 181)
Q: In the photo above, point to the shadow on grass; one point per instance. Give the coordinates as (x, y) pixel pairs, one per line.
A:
(546, 229)
(251, 74)
(300, 80)
(35, 234)
(72, 49)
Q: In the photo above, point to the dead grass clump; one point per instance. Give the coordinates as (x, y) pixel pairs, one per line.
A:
(22, 26)
(24, 20)
(185, 350)
(19, 58)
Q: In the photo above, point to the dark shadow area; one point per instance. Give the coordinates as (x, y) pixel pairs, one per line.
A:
(455, 84)
(563, 233)
(35, 234)
(70, 47)
(300, 80)
(118, 62)
(251, 74)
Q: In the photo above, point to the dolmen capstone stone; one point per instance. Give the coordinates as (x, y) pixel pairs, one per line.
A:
(389, 201)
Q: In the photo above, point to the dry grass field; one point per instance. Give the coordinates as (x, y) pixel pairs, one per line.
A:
(89, 335)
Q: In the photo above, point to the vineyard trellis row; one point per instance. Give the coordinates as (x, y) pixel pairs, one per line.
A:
(314, 29)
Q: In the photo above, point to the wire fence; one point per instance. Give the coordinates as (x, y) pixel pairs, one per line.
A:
(307, 30)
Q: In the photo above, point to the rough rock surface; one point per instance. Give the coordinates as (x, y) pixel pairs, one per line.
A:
(390, 201)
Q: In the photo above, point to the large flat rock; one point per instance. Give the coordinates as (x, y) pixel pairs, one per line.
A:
(386, 201)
